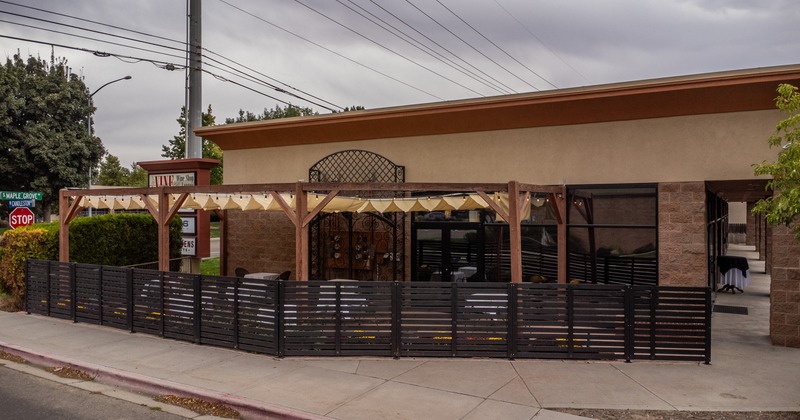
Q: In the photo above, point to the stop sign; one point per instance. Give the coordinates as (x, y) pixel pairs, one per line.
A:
(20, 216)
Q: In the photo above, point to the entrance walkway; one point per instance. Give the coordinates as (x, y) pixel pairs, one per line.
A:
(747, 373)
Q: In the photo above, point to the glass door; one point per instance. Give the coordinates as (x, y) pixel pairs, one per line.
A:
(446, 251)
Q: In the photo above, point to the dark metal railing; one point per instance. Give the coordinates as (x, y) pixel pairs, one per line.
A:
(392, 319)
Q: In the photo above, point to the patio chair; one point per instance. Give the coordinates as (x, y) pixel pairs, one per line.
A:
(285, 275)
(240, 272)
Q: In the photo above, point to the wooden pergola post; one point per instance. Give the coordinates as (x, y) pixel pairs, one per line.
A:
(515, 231)
(66, 213)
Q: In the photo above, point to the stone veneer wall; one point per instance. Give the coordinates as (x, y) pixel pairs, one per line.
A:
(784, 262)
(682, 249)
(259, 241)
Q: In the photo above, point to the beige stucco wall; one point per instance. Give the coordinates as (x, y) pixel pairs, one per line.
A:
(676, 149)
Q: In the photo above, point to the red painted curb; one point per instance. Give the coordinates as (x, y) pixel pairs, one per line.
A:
(249, 409)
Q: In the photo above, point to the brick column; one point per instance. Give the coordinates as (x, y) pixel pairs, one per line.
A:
(750, 237)
(260, 241)
(682, 248)
(784, 261)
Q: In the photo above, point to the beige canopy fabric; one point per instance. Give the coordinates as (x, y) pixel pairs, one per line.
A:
(249, 201)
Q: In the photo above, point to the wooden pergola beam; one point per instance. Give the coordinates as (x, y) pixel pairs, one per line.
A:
(300, 216)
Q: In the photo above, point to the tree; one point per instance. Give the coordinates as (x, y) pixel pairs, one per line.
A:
(177, 146)
(784, 206)
(271, 114)
(113, 174)
(43, 135)
(137, 177)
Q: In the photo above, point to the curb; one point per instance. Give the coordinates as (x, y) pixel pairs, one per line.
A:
(250, 409)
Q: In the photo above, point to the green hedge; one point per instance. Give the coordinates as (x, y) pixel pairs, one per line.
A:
(119, 239)
(115, 239)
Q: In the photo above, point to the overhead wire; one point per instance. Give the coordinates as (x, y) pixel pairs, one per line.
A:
(541, 41)
(316, 44)
(462, 40)
(431, 40)
(160, 64)
(88, 38)
(286, 91)
(418, 45)
(499, 48)
(384, 47)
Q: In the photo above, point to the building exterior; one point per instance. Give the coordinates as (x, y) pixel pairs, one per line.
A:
(648, 167)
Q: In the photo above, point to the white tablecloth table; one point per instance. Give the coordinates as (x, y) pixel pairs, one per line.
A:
(733, 273)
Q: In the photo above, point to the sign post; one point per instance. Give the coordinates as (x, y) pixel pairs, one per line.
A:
(20, 216)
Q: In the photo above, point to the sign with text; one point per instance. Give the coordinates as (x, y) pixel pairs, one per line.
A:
(20, 216)
(185, 179)
(189, 225)
(21, 203)
(21, 195)
(189, 246)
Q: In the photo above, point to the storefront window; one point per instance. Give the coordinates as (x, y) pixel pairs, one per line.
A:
(612, 235)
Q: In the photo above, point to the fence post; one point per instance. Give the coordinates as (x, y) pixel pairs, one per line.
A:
(570, 318)
(236, 312)
(73, 291)
(48, 287)
(512, 321)
(653, 296)
(129, 289)
(629, 323)
(27, 286)
(337, 332)
(280, 316)
(453, 317)
(708, 326)
(163, 306)
(100, 294)
(198, 316)
(396, 302)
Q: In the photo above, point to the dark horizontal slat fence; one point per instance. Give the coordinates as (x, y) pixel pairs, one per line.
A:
(393, 319)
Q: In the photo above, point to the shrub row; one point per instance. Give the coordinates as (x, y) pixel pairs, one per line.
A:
(115, 239)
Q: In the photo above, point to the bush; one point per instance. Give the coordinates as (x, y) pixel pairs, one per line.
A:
(118, 240)
(16, 246)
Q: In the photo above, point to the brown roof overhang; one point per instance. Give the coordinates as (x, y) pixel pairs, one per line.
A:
(744, 90)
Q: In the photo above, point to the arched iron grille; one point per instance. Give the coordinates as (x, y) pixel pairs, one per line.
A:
(355, 166)
(361, 246)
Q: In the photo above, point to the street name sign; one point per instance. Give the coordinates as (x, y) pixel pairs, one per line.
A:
(20, 195)
(21, 203)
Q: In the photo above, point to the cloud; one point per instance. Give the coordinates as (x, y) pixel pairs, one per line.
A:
(357, 63)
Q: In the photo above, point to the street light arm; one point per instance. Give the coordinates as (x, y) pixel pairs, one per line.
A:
(113, 81)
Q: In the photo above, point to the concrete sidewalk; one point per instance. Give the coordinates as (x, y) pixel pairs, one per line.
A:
(747, 373)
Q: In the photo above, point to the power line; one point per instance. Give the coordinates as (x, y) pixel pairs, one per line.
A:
(160, 64)
(87, 38)
(92, 21)
(91, 30)
(330, 50)
(443, 48)
(384, 47)
(540, 41)
(182, 49)
(499, 48)
(462, 40)
(417, 44)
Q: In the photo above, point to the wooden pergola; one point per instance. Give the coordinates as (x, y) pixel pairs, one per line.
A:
(163, 204)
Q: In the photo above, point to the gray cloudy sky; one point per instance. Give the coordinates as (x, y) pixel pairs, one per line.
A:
(515, 46)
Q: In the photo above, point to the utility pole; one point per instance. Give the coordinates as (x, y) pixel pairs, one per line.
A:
(194, 115)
